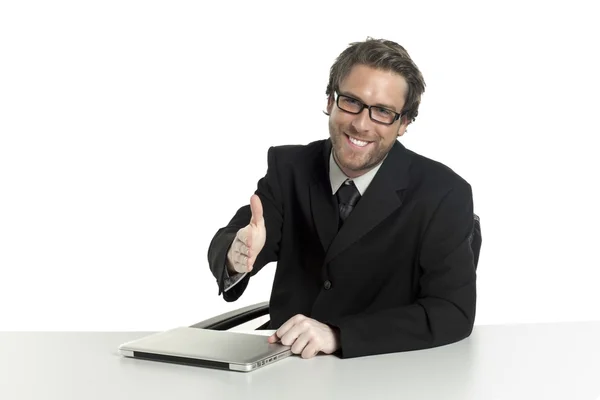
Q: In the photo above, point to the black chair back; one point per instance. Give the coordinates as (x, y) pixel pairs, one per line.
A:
(476, 238)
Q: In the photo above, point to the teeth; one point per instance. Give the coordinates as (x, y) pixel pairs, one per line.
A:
(358, 142)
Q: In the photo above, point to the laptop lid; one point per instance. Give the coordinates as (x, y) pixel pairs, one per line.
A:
(235, 351)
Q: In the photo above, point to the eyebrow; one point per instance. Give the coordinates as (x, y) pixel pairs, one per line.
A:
(350, 94)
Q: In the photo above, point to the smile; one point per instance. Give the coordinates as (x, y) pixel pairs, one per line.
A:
(357, 143)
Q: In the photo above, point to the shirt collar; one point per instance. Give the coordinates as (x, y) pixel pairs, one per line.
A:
(337, 176)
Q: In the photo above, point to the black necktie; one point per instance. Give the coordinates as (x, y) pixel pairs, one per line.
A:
(348, 196)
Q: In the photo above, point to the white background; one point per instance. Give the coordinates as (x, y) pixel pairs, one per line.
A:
(130, 131)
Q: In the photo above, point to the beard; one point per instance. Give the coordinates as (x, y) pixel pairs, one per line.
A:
(353, 160)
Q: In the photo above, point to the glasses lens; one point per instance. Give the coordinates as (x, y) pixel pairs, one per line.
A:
(383, 115)
(349, 104)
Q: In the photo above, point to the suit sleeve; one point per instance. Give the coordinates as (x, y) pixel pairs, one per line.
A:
(269, 192)
(444, 311)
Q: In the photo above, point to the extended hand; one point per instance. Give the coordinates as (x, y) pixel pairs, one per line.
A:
(307, 336)
(249, 240)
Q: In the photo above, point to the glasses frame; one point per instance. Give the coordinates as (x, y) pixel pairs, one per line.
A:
(337, 103)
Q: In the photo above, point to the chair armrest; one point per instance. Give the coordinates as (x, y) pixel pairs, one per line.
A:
(234, 318)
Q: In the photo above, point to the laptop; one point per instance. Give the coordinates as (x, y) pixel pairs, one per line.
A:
(236, 351)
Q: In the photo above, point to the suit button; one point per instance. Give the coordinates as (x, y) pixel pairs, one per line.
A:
(327, 285)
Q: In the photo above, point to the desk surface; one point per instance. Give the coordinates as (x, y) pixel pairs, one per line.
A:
(537, 361)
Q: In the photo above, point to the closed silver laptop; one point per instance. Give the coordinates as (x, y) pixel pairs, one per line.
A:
(235, 351)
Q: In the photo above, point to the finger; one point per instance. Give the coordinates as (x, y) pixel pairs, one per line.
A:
(300, 343)
(287, 325)
(290, 337)
(248, 232)
(241, 248)
(250, 265)
(257, 210)
(241, 260)
(244, 249)
(310, 350)
(243, 235)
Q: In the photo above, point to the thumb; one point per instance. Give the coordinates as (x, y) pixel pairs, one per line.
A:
(257, 210)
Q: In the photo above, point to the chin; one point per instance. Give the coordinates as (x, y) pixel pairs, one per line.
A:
(354, 166)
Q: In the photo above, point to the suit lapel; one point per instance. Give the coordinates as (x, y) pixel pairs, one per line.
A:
(378, 202)
(323, 204)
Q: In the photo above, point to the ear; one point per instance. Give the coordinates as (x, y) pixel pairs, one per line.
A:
(330, 104)
(402, 127)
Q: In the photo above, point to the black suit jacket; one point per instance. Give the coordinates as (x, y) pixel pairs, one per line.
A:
(400, 273)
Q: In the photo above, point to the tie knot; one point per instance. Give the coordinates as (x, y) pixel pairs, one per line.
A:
(348, 194)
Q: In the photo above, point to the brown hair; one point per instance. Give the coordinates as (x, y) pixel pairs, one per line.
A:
(385, 55)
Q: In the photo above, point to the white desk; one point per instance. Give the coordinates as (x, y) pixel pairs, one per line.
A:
(538, 361)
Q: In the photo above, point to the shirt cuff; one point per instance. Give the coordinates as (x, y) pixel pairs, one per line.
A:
(231, 281)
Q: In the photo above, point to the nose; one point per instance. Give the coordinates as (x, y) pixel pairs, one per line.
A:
(362, 122)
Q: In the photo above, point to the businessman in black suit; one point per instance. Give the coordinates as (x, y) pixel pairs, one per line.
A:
(371, 240)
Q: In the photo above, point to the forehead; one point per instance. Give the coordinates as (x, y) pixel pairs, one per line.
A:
(374, 86)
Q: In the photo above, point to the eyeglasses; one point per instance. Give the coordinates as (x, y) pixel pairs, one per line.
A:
(376, 113)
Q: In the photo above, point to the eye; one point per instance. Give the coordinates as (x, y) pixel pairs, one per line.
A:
(350, 100)
(383, 111)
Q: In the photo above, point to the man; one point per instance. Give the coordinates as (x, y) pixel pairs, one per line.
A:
(372, 241)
